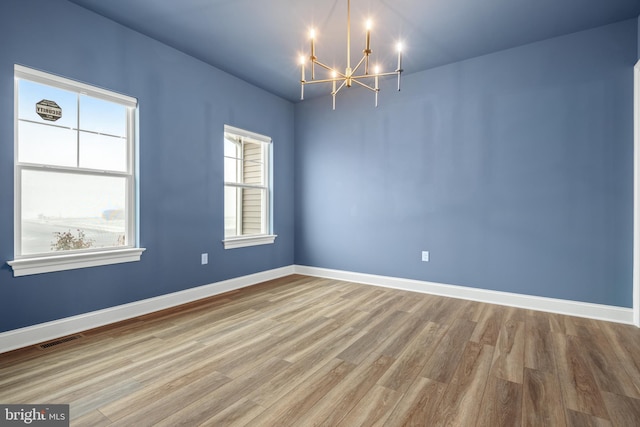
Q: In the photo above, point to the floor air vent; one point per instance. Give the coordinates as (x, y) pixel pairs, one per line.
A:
(49, 344)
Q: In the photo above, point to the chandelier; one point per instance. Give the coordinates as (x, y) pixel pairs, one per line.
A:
(350, 76)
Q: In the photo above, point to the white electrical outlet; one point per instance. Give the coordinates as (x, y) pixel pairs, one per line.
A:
(425, 256)
(204, 259)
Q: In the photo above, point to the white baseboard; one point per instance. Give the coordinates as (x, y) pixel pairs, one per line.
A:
(572, 308)
(30, 335)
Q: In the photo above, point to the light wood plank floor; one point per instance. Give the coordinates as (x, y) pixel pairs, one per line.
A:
(302, 351)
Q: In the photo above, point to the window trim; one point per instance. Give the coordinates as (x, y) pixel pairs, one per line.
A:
(47, 264)
(56, 261)
(257, 239)
(244, 241)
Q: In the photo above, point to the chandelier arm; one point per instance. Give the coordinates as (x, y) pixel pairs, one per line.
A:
(310, 82)
(365, 85)
(326, 67)
(369, 76)
(359, 64)
(344, 82)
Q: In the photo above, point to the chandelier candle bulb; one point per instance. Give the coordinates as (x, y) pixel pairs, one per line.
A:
(334, 75)
(313, 54)
(312, 35)
(302, 78)
(367, 47)
(399, 71)
(376, 70)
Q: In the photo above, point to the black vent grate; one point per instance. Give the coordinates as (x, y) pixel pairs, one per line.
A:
(59, 341)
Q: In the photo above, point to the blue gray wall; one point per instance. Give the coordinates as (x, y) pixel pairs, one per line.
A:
(515, 170)
(184, 104)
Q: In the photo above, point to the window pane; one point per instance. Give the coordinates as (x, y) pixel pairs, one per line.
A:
(231, 168)
(50, 145)
(253, 174)
(231, 147)
(231, 195)
(253, 163)
(103, 152)
(252, 210)
(63, 211)
(30, 93)
(97, 115)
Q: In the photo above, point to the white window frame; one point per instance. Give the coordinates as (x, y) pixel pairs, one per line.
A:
(58, 261)
(257, 239)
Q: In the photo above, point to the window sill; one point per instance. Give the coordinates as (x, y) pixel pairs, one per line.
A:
(244, 241)
(48, 264)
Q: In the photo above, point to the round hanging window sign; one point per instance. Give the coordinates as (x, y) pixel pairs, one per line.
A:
(48, 110)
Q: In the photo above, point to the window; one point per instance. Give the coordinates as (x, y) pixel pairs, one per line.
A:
(247, 160)
(74, 175)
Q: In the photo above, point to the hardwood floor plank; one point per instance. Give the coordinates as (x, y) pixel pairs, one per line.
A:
(440, 309)
(373, 409)
(556, 323)
(508, 358)
(488, 328)
(514, 314)
(87, 403)
(501, 403)
(381, 299)
(378, 315)
(411, 302)
(444, 360)
(624, 411)
(624, 343)
(580, 419)
(93, 418)
(606, 367)
(238, 414)
(472, 310)
(418, 404)
(342, 398)
(239, 361)
(538, 348)
(297, 375)
(397, 339)
(411, 361)
(163, 388)
(301, 399)
(28, 389)
(360, 349)
(579, 388)
(211, 400)
(542, 399)
(538, 319)
(150, 408)
(461, 402)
